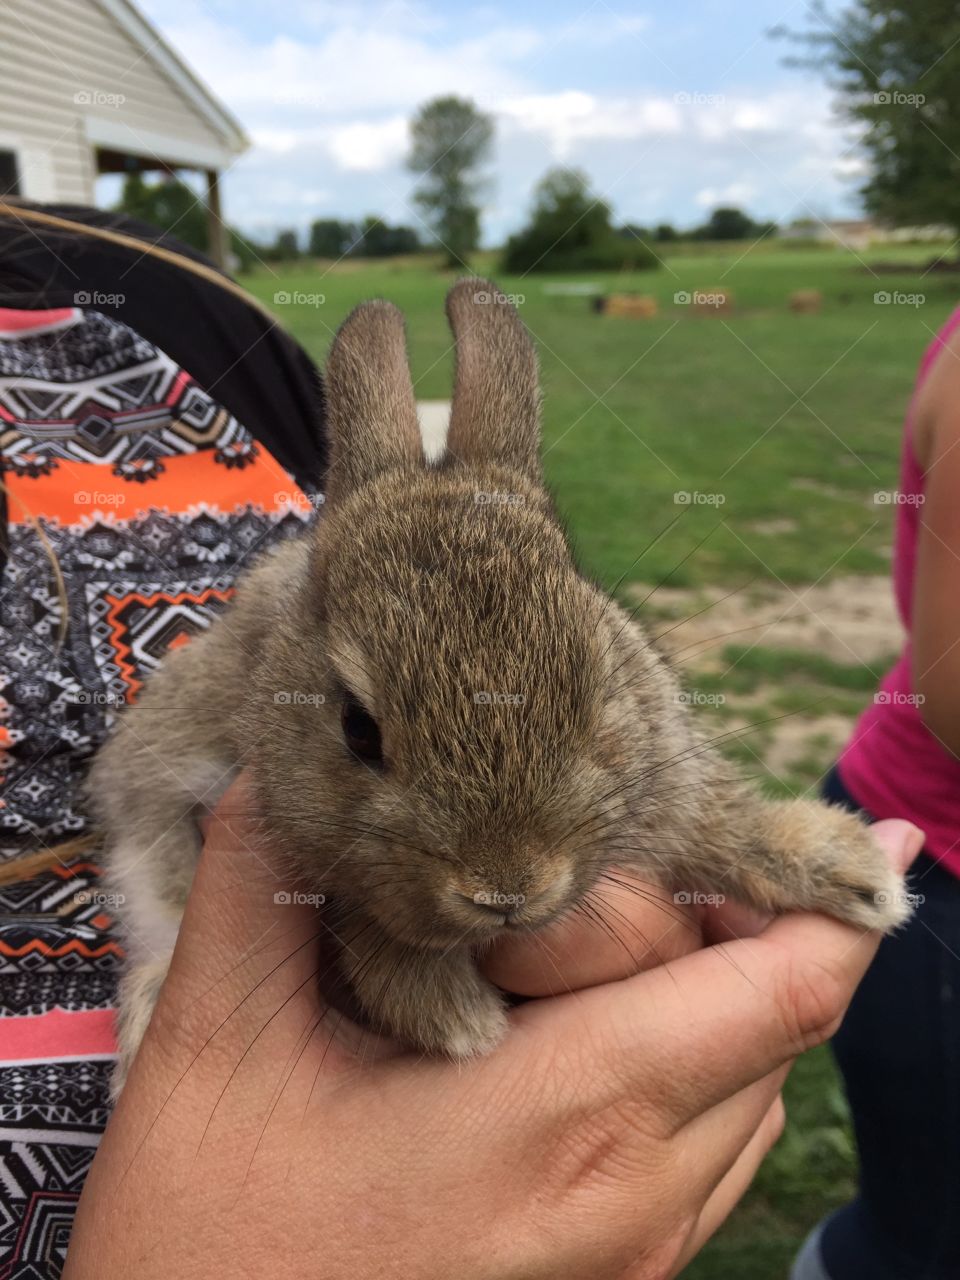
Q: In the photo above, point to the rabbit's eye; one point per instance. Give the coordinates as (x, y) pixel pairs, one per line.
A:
(361, 732)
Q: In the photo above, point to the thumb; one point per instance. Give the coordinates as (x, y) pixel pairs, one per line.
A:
(243, 902)
(744, 1008)
(900, 840)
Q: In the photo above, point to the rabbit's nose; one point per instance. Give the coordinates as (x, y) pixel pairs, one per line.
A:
(490, 902)
(511, 906)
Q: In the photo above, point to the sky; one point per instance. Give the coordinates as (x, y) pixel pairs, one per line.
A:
(670, 110)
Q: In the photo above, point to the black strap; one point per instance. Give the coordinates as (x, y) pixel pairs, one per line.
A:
(246, 362)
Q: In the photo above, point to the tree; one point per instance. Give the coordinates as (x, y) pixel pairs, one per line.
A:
(897, 69)
(570, 229)
(732, 224)
(377, 239)
(331, 238)
(726, 224)
(286, 247)
(169, 205)
(451, 139)
(246, 253)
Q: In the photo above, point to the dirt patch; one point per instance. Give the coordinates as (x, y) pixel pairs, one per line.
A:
(769, 527)
(849, 620)
(798, 740)
(817, 486)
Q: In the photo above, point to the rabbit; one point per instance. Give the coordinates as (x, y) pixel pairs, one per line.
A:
(451, 731)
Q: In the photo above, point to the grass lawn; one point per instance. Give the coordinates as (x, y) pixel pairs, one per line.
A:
(787, 425)
(785, 417)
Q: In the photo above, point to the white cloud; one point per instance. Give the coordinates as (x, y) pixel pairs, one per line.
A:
(735, 193)
(328, 112)
(567, 118)
(366, 148)
(599, 26)
(351, 69)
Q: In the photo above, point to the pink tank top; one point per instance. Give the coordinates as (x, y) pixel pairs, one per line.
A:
(893, 765)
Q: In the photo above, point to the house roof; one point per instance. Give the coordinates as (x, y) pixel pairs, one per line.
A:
(168, 60)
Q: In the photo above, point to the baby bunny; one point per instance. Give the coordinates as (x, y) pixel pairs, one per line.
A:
(451, 730)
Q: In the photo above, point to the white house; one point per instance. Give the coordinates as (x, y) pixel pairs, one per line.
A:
(90, 87)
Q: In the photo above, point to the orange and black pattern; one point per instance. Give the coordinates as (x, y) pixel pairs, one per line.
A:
(149, 498)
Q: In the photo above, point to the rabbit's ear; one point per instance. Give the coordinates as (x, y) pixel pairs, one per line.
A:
(371, 408)
(495, 416)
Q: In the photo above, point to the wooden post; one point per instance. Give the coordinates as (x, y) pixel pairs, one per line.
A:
(218, 239)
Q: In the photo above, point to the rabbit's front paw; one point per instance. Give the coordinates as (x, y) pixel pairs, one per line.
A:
(860, 887)
(433, 1001)
(803, 855)
(466, 1024)
(833, 864)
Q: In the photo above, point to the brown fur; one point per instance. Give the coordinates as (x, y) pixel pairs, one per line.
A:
(532, 735)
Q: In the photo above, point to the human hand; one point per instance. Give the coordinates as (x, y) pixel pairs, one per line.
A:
(606, 1137)
(635, 925)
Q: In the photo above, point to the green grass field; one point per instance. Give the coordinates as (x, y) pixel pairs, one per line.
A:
(790, 424)
(783, 415)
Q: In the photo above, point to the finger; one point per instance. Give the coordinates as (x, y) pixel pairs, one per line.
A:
(901, 841)
(241, 903)
(713, 1022)
(730, 920)
(711, 1143)
(628, 925)
(735, 1182)
(254, 955)
(625, 926)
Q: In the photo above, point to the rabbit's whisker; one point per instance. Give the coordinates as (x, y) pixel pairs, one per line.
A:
(706, 609)
(648, 895)
(183, 1075)
(649, 547)
(240, 1061)
(631, 615)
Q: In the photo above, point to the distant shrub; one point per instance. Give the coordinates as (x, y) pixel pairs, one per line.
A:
(570, 230)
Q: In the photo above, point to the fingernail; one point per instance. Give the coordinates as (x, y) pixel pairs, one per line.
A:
(901, 840)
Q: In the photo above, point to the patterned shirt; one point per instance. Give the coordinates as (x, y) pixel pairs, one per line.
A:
(134, 499)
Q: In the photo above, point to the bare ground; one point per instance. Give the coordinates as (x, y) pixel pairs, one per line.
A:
(851, 620)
